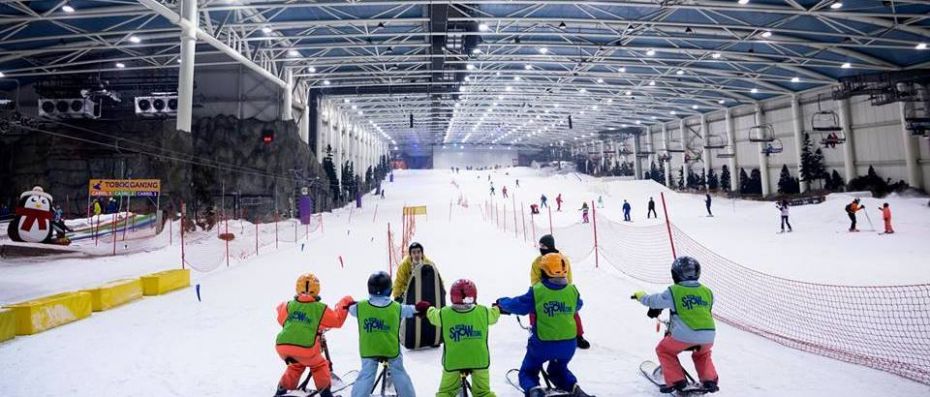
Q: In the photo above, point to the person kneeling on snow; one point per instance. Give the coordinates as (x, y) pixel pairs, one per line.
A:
(691, 325)
(465, 327)
(379, 336)
(554, 302)
(297, 343)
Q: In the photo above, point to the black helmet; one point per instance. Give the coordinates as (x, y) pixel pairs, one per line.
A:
(547, 240)
(415, 245)
(379, 284)
(685, 268)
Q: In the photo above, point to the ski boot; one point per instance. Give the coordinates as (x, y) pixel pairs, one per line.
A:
(537, 391)
(327, 392)
(280, 392)
(582, 343)
(577, 392)
(710, 386)
(675, 387)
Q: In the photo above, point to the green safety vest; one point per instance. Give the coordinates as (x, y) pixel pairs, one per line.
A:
(693, 306)
(378, 330)
(465, 338)
(555, 312)
(303, 321)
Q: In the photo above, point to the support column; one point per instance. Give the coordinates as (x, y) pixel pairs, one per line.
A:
(637, 164)
(849, 148)
(186, 70)
(684, 146)
(705, 133)
(318, 133)
(304, 126)
(666, 165)
(652, 148)
(911, 152)
(798, 122)
(600, 148)
(287, 106)
(731, 146)
(763, 159)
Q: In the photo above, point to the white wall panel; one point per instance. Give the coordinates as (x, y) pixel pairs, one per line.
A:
(473, 158)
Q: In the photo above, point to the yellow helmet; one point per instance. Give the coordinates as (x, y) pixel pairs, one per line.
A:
(553, 265)
(308, 284)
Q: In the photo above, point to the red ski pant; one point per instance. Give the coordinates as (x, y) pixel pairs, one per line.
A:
(888, 228)
(668, 350)
(299, 359)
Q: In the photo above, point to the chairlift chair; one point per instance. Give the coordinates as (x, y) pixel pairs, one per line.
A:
(825, 121)
(726, 155)
(675, 147)
(774, 146)
(762, 133)
(917, 121)
(715, 142)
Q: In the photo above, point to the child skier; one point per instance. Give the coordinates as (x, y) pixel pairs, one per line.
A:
(558, 202)
(691, 325)
(542, 201)
(504, 191)
(783, 209)
(584, 212)
(851, 210)
(626, 211)
(297, 343)
(465, 325)
(600, 201)
(886, 216)
(553, 303)
(547, 246)
(379, 320)
(651, 209)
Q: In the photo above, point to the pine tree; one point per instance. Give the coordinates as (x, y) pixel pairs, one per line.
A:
(330, 169)
(681, 179)
(755, 181)
(787, 184)
(836, 182)
(743, 181)
(812, 166)
(712, 181)
(725, 178)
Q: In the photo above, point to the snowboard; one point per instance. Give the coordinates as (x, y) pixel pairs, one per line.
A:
(424, 285)
(514, 381)
(653, 373)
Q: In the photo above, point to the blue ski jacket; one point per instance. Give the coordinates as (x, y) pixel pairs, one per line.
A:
(526, 304)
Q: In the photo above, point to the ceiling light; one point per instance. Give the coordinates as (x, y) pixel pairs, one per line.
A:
(722, 101)
(846, 65)
(610, 100)
(135, 39)
(795, 79)
(543, 50)
(120, 65)
(921, 46)
(516, 78)
(528, 67)
(674, 112)
(837, 5)
(600, 81)
(680, 72)
(293, 53)
(311, 69)
(467, 78)
(754, 90)
(638, 122)
(476, 51)
(652, 82)
(629, 93)
(326, 82)
(766, 34)
(359, 112)
(266, 30)
(582, 90)
(716, 55)
(483, 27)
(743, 2)
(509, 88)
(695, 107)
(562, 25)
(67, 8)
(653, 117)
(651, 52)
(470, 67)
(1, 75)
(621, 70)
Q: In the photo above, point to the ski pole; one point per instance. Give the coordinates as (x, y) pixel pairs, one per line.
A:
(868, 218)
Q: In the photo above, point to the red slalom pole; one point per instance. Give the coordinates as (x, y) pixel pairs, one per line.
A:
(597, 257)
(550, 219)
(668, 225)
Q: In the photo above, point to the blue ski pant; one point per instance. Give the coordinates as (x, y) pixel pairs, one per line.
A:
(370, 367)
(561, 377)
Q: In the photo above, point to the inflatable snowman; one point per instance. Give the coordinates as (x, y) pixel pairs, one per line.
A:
(33, 220)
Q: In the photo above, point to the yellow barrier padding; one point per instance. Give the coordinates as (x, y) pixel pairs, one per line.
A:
(51, 311)
(166, 281)
(418, 210)
(115, 293)
(7, 324)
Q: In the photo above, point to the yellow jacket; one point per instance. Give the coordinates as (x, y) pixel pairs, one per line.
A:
(403, 275)
(536, 273)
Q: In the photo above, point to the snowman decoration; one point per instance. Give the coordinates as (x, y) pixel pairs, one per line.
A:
(33, 220)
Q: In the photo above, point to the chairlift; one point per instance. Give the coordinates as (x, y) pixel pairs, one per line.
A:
(726, 155)
(715, 142)
(917, 120)
(675, 147)
(774, 146)
(663, 157)
(762, 133)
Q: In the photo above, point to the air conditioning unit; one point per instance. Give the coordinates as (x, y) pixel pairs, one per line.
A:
(69, 108)
(157, 106)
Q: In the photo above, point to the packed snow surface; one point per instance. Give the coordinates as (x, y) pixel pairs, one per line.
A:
(223, 345)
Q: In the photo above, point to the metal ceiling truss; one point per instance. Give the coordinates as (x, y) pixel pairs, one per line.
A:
(492, 71)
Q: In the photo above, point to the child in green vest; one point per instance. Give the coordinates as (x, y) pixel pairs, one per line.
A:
(379, 320)
(691, 325)
(297, 343)
(465, 327)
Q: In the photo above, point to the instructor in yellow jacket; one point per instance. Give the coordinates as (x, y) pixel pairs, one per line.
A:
(415, 257)
(547, 246)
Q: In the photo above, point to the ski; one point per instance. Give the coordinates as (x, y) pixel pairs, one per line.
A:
(653, 373)
(512, 380)
(340, 383)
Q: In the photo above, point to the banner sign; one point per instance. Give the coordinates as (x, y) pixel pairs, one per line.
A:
(125, 187)
(418, 210)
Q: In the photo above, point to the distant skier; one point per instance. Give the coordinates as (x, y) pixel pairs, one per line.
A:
(382, 341)
(558, 202)
(97, 207)
(465, 348)
(504, 191)
(534, 209)
(518, 183)
(707, 202)
(886, 216)
(542, 201)
(783, 208)
(851, 210)
(626, 211)
(584, 212)
(600, 201)
(691, 325)
(492, 190)
(553, 337)
(298, 341)
(547, 246)
(652, 209)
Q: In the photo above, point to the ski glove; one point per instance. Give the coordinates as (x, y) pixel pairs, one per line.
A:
(422, 307)
(498, 306)
(349, 304)
(638, 295)
(653, 313)
(399, 299)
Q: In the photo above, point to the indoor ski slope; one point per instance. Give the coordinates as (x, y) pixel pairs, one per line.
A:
(224, 346)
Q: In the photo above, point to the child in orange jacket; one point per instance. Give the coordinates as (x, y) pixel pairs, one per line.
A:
(886, 216)
(298, 342)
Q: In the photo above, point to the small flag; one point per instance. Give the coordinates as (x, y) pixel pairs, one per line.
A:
(197, 288)
(341, 263)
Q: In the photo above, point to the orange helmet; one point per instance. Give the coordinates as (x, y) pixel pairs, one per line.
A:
(308, 284)
(553, 265)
